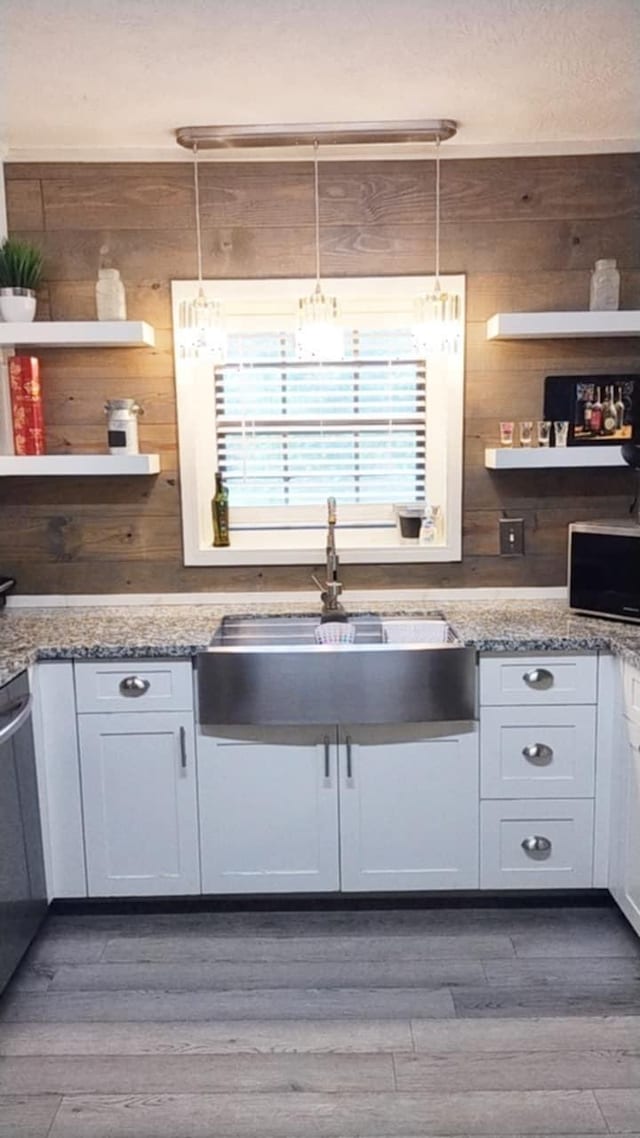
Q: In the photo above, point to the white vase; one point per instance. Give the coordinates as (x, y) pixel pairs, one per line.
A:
(17, 305)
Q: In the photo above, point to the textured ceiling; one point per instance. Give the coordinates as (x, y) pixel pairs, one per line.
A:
(112, 78)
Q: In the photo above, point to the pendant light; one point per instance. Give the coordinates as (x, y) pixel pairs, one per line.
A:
(319, 335)
(437, 327)
(202, 334)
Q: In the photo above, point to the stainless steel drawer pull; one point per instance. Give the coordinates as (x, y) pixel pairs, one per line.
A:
(183, 748)
(133, 686)
(349, 758)
(539, 678)
(327, 757)
(538, 753)
(536, 845)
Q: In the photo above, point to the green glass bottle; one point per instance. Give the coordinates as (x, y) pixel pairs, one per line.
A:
(220, 512)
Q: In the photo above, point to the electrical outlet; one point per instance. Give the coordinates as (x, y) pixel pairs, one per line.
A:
(511, 537)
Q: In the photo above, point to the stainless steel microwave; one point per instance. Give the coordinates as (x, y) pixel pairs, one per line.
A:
(604, 569)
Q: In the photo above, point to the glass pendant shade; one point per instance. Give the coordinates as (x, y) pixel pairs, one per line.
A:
(202, 333)
(319, 335)
(436, 330)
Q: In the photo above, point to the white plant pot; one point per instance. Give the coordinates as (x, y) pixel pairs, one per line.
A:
(17, 305)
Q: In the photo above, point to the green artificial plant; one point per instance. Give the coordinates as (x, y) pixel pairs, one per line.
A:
(20, 264)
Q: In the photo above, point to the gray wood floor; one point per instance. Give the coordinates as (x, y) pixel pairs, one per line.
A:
(373, 1024)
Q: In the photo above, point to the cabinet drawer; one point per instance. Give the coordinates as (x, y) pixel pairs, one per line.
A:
(563, 832)
(631, 685)
(134, 685)
(538, 752)
(544, 679)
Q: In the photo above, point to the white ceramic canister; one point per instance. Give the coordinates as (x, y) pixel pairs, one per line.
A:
(122, 426)
(604, 294)
(111, 300)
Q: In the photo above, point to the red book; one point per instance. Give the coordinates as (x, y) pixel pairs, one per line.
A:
(26, 404)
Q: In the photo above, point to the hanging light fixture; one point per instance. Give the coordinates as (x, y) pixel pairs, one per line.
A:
(319, 335)
(437, 327)
(202, 334)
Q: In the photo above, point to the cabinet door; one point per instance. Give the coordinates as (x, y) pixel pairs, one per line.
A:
(139, 803)
(268, 812)
(409, 810)
(625, 853)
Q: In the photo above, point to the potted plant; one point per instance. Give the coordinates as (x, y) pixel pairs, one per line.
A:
(20, 273)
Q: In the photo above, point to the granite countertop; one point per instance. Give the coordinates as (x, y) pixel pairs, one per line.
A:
(127, 632)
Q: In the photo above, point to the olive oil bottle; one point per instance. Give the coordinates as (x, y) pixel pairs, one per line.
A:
(220, 512)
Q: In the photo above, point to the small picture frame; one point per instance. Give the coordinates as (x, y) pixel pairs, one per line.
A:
(601, 410)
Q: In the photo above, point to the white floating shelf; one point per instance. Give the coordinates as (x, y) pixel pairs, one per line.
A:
(79, 334)
(78, 464)
(540, 458)
(561, 325)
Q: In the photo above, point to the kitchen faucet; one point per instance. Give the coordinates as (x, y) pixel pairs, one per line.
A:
(331, 607)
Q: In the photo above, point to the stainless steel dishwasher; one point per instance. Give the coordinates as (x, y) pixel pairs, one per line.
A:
(23, 900)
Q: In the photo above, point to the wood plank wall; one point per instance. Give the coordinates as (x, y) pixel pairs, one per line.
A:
(526, 231)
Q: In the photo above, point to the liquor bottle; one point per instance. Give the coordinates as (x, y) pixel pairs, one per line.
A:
(588, 409)
(596, 415)
(220, 512)
(578, 416)
(620, 410)
(609, 413)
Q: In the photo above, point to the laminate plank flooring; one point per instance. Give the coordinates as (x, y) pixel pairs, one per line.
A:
(325, 1116)
(389, 1023)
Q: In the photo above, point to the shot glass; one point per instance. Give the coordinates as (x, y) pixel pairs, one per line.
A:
(544, 432)
(526, 433)
(560, 432)
(506, 434)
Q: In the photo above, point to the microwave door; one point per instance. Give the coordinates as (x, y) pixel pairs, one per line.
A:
(604, 575)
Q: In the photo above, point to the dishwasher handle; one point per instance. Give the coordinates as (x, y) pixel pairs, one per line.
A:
(20, 711)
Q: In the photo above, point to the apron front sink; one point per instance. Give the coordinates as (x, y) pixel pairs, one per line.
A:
(270, 671)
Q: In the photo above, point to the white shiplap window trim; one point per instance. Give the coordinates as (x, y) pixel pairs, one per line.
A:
(276, 302)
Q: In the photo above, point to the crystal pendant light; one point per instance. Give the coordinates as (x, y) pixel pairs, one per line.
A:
(202, 334)
(437, 327)
(319, 335)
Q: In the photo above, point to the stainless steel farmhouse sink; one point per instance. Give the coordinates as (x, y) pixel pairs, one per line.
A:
(271, 671)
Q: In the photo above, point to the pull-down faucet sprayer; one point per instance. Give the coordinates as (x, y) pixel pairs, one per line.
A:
(331, 607)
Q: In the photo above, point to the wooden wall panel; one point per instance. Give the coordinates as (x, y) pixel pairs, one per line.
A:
(525, 231)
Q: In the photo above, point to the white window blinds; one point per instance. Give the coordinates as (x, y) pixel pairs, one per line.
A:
(291, 433)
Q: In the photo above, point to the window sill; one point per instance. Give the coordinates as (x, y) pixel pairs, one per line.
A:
(237, 554)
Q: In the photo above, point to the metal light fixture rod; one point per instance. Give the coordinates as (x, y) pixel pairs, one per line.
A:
(196, 198)
(316, 198)
(437, 275)
(307, 134)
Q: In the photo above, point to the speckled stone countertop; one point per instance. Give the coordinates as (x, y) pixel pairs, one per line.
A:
(27, 635)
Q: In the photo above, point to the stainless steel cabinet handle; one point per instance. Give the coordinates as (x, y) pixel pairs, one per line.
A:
(327, 757)
(539, 678)
(19, 712)
(183, 748)
(133, 686)
(538, 753)
(349, 758)
(536, 844)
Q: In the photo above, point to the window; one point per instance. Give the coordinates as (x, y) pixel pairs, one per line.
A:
(381, 427)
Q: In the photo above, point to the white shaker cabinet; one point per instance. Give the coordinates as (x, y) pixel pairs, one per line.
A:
(268, 811)
(625, 829)
(539, 730)
(377, 809)
(139, 798)
(408, 809)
